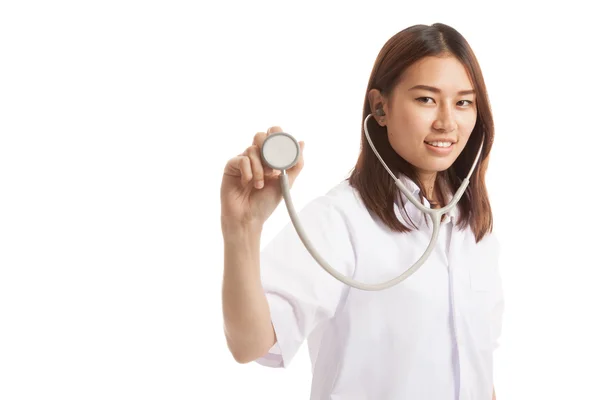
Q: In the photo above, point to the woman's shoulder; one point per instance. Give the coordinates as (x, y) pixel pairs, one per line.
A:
(343, 198)
(340, 204)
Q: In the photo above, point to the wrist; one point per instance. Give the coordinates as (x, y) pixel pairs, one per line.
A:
(235, 228)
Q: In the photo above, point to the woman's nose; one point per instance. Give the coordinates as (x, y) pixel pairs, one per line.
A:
(445, 120)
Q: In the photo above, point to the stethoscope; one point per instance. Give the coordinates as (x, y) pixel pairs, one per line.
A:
(281, 151)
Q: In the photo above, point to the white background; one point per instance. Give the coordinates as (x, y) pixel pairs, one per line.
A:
(117, 118)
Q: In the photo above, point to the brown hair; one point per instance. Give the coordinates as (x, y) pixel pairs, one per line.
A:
(375, 186)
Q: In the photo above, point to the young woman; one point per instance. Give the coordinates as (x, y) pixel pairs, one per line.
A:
(433, 335)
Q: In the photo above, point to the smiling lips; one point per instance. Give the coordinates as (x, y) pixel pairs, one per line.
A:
(440, 147)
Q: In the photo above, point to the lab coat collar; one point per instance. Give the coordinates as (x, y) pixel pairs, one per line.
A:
(415, 215)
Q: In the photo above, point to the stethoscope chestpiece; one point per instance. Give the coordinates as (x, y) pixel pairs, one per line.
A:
(280, 151)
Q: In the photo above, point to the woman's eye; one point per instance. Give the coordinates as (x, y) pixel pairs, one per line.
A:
(469, 102)
(424, 99)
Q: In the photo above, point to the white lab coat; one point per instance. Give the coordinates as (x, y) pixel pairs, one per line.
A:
(430, 337)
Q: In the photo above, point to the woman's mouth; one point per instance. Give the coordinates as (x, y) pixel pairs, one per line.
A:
(440, 147)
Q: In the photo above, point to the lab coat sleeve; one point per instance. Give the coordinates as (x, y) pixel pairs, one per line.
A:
(301, 295)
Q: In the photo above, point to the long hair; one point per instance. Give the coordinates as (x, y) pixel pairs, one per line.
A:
(375, 186)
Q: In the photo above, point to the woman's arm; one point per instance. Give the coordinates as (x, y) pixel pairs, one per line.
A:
(248, 328)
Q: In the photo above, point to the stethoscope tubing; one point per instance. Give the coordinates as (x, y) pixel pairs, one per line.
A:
(435, 214)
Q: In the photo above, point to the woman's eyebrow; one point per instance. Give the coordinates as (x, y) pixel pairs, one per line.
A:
(436, 90)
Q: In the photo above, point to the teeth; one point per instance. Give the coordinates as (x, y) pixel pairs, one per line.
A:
(440, 144)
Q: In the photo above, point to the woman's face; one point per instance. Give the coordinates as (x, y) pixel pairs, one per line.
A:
(430, 114)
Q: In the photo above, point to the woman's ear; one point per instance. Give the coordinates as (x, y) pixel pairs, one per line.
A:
(378, 106)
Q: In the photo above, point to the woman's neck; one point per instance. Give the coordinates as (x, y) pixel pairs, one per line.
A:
(432, 192)
(428, 181)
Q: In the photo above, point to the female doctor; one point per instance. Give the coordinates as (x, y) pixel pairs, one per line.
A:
(433, 335)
